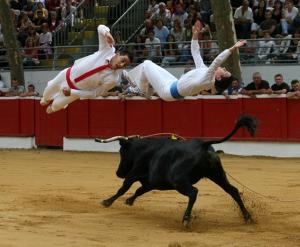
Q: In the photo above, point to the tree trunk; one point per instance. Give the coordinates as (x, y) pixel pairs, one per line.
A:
(10, 42)
(226, 36)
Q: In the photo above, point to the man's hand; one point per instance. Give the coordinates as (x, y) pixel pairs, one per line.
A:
(66, 91)
(196, 29)
(109, 39)
(237, 45)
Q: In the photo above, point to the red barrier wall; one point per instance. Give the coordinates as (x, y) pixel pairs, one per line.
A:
(143, 117)
(278, 118)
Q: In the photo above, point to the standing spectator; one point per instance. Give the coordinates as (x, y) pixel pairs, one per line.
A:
(164, 14)
(295, 91)
(29, 9)
(170, 51)
(243, 18)
(234, 88)
(161, 31)
(153, 48)
(290, 12)
(179, 14)
(258, 86)
(30, 91)
(15, 89)
(280, 87)
(45, 42)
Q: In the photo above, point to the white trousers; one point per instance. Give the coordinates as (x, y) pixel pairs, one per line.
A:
(53, 91)
(161, 80)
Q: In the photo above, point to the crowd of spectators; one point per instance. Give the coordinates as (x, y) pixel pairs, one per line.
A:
(16, 89)
(272, 25)
(34, 22)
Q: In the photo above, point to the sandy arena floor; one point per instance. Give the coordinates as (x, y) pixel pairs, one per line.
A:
(51, 198)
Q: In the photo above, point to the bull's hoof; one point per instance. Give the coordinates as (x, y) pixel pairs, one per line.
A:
(129, 201)
(186, 222)
(106, 203)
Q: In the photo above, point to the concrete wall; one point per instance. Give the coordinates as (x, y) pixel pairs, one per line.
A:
(290, 72)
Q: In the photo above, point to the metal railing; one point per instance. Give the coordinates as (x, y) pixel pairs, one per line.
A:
(130, 22)
(282, 51)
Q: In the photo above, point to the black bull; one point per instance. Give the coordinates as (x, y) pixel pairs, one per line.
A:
(166, 164)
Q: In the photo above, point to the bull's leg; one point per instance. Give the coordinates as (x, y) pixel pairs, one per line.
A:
(223, 182)
(191, 192)
(124, 188)
(140, 191)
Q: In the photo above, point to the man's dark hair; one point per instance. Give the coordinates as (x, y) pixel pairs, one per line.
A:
(294, 81)
(277, 75)
(223, 84)
(128, 54)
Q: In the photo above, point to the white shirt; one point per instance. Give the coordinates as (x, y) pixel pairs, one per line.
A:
(290, 15)
(104, 80)
(246, 15)
(152, 46)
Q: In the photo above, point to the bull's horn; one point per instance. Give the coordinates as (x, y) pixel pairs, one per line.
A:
(116, 138)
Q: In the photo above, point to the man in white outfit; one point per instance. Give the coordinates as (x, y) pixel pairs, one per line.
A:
(191, 83)
(90, 76)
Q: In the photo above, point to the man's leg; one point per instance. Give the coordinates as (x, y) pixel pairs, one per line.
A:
(61, 101)
(53, 87)
(150, 73)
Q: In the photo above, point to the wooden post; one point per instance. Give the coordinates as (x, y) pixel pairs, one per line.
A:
(10, 42)
(223, 18)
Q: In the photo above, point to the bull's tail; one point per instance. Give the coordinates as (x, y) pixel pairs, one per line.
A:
(244, 121)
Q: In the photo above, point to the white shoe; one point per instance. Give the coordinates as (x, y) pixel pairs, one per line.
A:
(44, 102)
(49, 109)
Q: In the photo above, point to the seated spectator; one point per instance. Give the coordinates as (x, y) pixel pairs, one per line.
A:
(30, 53)
(266, 47)
(53, 21)
(179, 14)
(23, 28)
(234, 89)
(30, 91)
(33, 35)
(205, 10)
(15, 89)
(278, 13)
(295, 91)
(268, 25)
(290, 12)
(243, 18)
(29, 9)
(40, 7)
(161, 31)
(148, 26)
(68, 9)
(178, 32)
(153, 48)
(258, 86)
(280, 87)
(170, 51)
(39, 20)
(296, 22)
(138, 50)
(249, 52)
(163, 14)
(152, 7)
(260, 12)
(2, 84)
(45, 42)
(209, 48)
(295, 46)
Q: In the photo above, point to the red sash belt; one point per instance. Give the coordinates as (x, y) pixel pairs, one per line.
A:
(83, 76)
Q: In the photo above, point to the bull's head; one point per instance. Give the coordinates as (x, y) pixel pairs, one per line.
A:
(126, 155)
